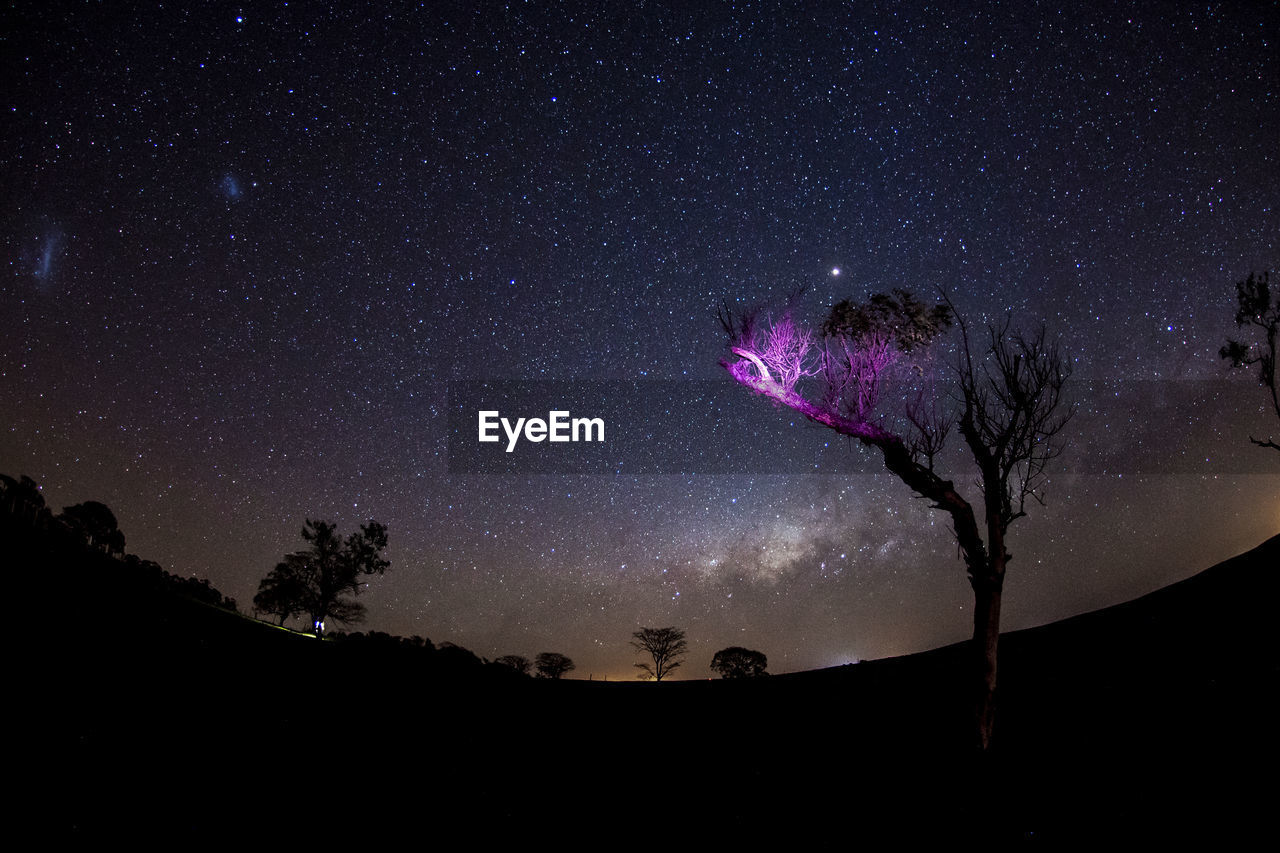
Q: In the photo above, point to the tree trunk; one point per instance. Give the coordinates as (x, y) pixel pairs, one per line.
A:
(986, 640)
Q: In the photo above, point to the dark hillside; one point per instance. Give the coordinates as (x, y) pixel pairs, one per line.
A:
(168, 717)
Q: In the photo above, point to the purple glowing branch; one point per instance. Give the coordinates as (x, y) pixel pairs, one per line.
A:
(762, 382)
(782, 359)
(851, 369)
(787, 351)
(773, 356)
(741, 371)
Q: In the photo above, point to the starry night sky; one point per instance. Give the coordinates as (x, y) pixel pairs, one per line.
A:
(248, 249)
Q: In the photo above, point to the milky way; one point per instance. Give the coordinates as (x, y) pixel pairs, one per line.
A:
(287, 231)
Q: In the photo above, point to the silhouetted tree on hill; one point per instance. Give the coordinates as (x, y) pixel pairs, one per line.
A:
(23, 500)
(387, 644)
(80, 535)
(553, 665)
(519, 663)
(737, 662)
(457, 657)
(283, 592)
(1009, 391)
(665, 646)
(94, 524)
(319, 580)
(1256, 307)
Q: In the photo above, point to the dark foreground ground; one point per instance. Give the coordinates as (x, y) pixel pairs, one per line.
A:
(157, 718)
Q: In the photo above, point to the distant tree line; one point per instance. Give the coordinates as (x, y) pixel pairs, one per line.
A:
(665, 649)
(89, 528)
(447, 658)
(551, 665)
(320, 582)
(91, 524)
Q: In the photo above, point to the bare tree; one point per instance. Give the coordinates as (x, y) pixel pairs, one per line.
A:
(1011, 415)
(666, 646)
(1255, 307)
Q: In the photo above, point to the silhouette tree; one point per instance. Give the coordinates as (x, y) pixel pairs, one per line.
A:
(666, 647)
(1255, 307)
(23, 500)
(284, 591)
(94, 524)
(319, 580)
(737, 662)
(553, 665)
(1011, 414)
(519, 663)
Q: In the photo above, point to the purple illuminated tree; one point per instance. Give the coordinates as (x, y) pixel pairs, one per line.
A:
(1011, 413)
